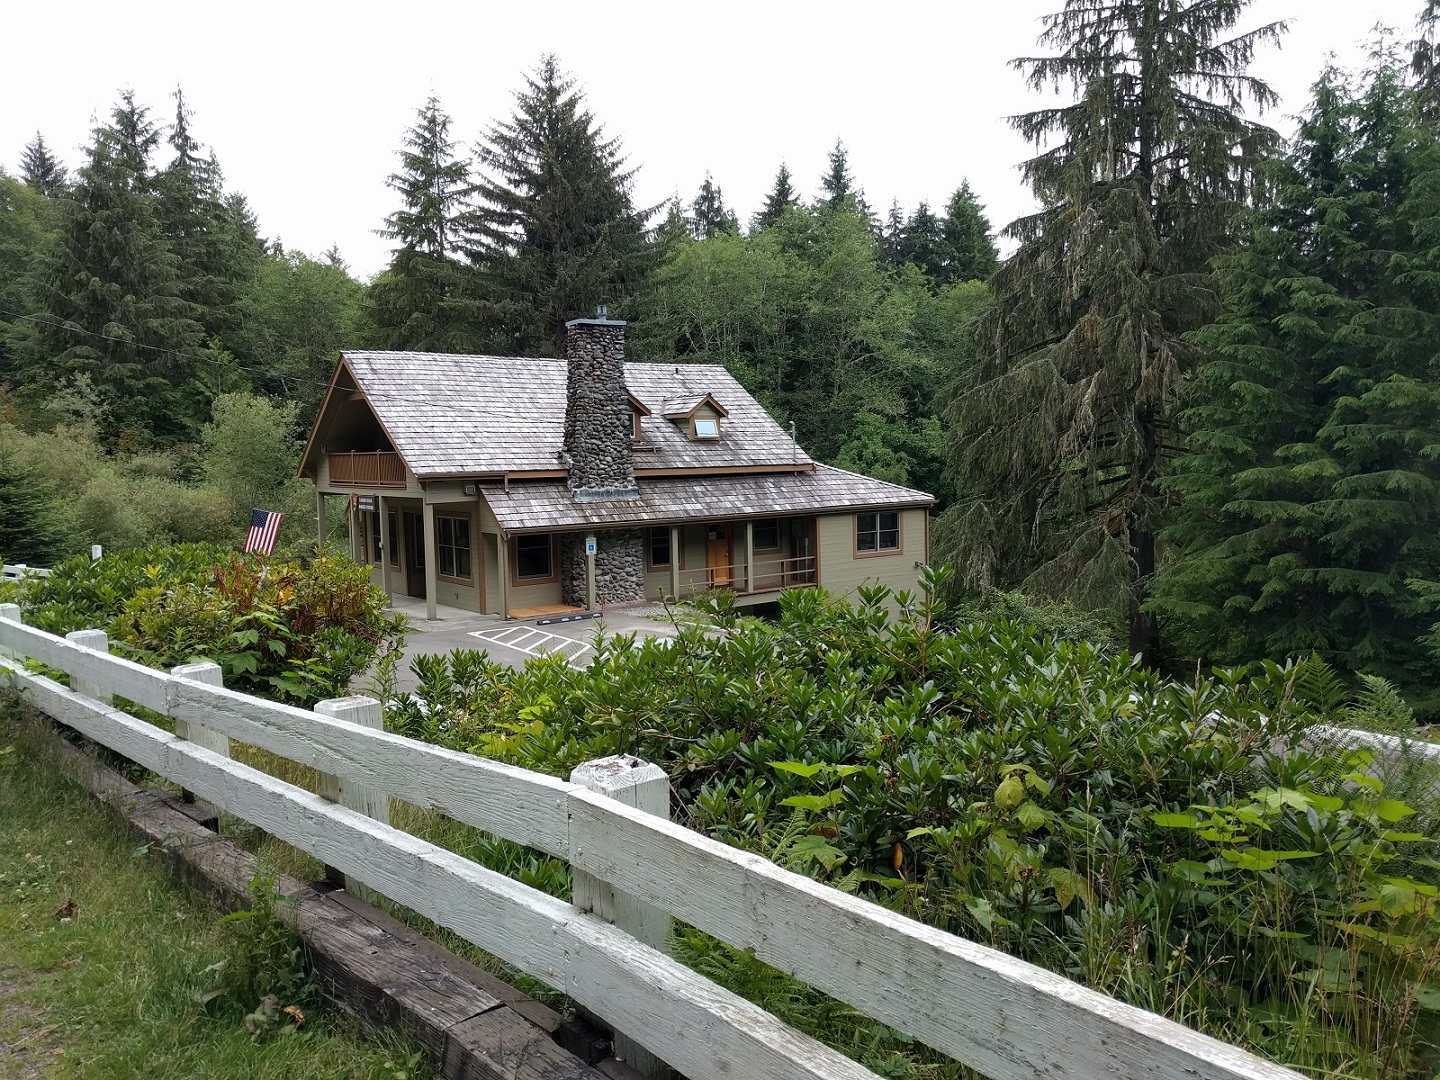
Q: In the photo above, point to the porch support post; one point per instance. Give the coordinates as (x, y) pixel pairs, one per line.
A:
(674, 561)
(749, 556)
(319, 518)
(384, 547)
(502, 550)
(432, 558)
(590, 576)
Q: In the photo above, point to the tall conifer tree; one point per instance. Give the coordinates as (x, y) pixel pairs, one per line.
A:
(426, 299)
(782, 196)
(922, 243)
(558, 230)
(1065, 430)
(709, 215)
(111, 295)
(41, 169)
(1310, 512)
(970, 252)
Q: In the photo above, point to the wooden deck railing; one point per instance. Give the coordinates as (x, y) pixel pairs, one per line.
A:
(377, 468)
(770, 575)
(1005, 1018)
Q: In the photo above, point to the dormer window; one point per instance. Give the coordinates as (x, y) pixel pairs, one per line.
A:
(638, 411)
(699, 416)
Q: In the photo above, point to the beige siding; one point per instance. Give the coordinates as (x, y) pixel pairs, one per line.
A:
(842, 571)
(491, 551)
(526, 596)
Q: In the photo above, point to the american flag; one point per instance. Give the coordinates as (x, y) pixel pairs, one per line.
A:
(264, 531)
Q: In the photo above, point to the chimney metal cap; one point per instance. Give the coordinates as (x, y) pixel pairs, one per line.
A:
(594, 322)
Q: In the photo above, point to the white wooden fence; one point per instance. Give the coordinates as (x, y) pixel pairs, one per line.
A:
(1007, 1019)
(16, 571)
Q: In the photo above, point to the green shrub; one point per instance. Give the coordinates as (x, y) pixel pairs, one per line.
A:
(1047, 796)
(296, 631)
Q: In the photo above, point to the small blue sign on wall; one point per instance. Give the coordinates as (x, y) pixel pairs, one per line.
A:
(590, 544)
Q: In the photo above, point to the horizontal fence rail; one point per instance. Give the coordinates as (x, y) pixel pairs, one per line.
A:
(1002, 1016)
(16, 571)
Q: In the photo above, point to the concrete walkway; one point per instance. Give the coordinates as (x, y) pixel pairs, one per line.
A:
(454, 629)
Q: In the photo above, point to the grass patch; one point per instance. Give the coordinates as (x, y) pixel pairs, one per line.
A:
(105, 959)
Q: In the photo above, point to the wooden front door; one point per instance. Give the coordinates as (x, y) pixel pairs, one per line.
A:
(414, 554)
(717, 555)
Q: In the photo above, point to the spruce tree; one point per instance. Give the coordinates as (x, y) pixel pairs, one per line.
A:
(970, 252)
(111, 296)
(217, 252)
(1310, 513)
(781, 198)
(558, 230)
(426, 298)
(1065, 431)
(891, 248)
(923, 245)
(1425, 59)
(41, 169)
(837, 184)
(708, 213)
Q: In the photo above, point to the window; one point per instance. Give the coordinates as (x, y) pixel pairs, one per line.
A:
(706, 427)
(659, 547)
(875, 533)
(766, 535)
(453, 540)
(394, 538)
(533, 560)
(372, 525)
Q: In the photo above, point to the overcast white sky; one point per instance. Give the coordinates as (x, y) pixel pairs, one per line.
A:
(305, 102)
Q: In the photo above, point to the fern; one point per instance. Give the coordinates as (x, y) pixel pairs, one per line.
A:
(1379, 707)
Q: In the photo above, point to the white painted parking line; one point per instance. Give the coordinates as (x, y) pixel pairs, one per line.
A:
(535, 642)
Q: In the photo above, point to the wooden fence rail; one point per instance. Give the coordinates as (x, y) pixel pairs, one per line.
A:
(1005, 1018)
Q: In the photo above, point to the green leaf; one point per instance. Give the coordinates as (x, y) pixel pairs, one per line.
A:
(1262, 859)
(1392, 810)
(814, 849)
(815, 803)
(1030, 815)
(799, 768)
(1427, 996)
(1175, 821)
(1010, 792)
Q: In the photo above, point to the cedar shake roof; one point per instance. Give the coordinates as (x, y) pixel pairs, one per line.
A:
(458, 415)
(542, 505)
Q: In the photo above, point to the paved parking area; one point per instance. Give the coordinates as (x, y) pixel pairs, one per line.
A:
(505, 640)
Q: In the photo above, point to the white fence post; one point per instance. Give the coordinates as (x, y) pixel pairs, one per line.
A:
(211, 675)
(644, 786)
(12, 613)
(362, 798)
(99, 641)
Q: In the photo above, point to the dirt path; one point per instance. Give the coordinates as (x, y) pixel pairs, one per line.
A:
(24, 1038)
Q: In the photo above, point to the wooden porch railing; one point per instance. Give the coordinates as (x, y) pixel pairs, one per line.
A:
(770, 575)
(372, 468)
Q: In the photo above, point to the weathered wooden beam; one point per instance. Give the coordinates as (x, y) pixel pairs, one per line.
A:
(365, 799)
(210, 675)
(645, 787)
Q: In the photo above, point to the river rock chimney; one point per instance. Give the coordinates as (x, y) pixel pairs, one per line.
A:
(598, 422)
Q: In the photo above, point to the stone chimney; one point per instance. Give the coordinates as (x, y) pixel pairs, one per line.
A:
(598, 424)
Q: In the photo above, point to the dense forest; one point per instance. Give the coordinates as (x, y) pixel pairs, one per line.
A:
(1200, 396)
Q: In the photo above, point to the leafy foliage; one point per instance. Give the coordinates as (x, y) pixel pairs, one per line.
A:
(295, 631)
(1050, 797)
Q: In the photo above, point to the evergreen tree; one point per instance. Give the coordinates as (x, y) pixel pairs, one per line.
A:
(1425, 59)
(110, 293)
(30, 516)
(1310, 513)
(838, 184)
(892, 237)
(922, 244)
(217, 251)
(26, 232)
(558, 231)
(709, 215)
(1065, 431)
(970, 252)
(426, 299)
(781, 198)
(41, 169)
